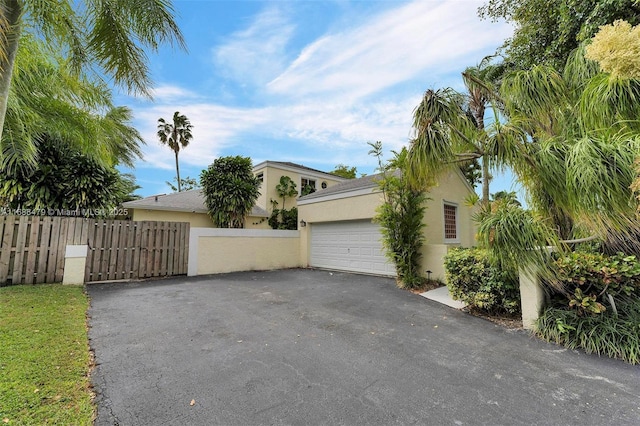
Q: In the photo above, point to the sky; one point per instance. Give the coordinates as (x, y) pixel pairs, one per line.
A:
(310, 82)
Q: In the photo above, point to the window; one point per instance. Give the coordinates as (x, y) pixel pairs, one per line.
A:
(260, 176)
(307, 186)
(450, 222)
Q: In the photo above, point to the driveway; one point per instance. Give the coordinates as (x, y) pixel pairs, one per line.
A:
(312, 347)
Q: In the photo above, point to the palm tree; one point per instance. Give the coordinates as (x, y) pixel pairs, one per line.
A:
(451, 131)
(176, 135)
(47, 98)
(111, 35)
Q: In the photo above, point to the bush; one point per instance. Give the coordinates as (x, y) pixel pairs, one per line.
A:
(592, 280)
(472, 279)
(610, 334)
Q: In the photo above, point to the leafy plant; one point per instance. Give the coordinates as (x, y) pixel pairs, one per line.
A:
(400, 217)
(93, 186)
(473, 279)
(230, 190)
(283, 218)
(616, 335)
(186, 184)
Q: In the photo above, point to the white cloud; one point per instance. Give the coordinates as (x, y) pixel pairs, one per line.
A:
(257, 54)
(395, 46)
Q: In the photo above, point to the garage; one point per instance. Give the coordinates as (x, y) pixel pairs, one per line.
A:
(353, 246)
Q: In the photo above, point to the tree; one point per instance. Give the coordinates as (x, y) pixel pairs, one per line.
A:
(288, 218)
(451, 132)
(95, 189)
(175, 135)
(400, 217)
(187, 184)
(47, 97)
(108, 34)
(547, 32)
(578, 139)
(344, 171)
(230, 190)
(616, 48)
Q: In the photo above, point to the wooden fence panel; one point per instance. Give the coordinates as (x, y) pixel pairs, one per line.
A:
(33, 248)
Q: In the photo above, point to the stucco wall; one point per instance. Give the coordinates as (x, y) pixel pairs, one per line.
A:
(451, 189)
(215, 250)
(196, 220)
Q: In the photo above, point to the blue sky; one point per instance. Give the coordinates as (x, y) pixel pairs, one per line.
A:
(304, 81)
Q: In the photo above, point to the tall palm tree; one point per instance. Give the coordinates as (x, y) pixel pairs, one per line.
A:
(451, 131)
(176, 135)
(109, 34)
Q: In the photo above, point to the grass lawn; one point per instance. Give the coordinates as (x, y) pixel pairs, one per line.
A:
(44, 356)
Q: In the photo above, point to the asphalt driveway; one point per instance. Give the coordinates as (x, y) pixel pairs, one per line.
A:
(313, 347)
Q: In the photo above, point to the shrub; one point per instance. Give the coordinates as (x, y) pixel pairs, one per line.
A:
(592, 280)
(472, 279)
(609, 334)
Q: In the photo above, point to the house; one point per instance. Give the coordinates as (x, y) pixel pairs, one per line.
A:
(337, 232)
(189, 206)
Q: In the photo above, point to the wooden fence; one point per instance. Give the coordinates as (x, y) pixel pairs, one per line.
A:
(33, 248)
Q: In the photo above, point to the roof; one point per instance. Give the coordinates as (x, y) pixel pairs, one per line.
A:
(289, 164)
(346, 186)
(186, 201)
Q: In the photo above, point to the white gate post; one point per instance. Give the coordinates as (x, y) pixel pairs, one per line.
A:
(75, 260)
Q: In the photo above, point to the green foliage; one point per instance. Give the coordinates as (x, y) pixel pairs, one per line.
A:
(588, 277)
(186, 184)
(547, 32)
(283, 218)
(616, 335)
(230, 190)
(400, 217)
(344, 171)
(481, 284)
(176, 135)
(47, 97)
(45, 356)
(64, 179)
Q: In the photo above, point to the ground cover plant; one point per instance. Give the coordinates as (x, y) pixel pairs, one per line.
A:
(44, 356)
(599, 308)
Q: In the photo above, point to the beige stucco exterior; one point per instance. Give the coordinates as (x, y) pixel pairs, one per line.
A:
(361, 204)
(196, 220)
(273, 171)
(217, 250)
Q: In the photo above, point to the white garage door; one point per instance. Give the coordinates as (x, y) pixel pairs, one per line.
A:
(353, 246)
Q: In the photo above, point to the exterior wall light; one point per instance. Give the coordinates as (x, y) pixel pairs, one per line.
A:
(302, 223)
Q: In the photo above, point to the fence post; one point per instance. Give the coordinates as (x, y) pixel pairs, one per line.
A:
(75, 260)
(531, 296)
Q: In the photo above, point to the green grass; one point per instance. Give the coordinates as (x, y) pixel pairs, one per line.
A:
(44, 356)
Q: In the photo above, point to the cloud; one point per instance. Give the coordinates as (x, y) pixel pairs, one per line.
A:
(397, 45)
(257, 54)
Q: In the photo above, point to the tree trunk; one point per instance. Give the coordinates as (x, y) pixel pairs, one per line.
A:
(178, 173)
(12, 11)
(485, 181)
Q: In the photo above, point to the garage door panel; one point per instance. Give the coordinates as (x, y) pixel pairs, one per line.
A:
(353, 246)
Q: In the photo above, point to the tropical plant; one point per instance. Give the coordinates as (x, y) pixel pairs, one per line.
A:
(616, 48)
(108, 35)
(186, 184)
(230, 190)
(344, 171)
(286, 188)
(400, 217)
(176, 135)
(451, 131)
(474, 279)
(47, 97)
(95, 189)
(574, 156)
(547, 32)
